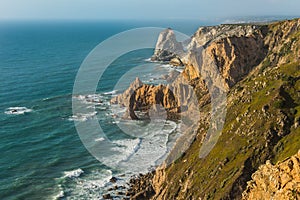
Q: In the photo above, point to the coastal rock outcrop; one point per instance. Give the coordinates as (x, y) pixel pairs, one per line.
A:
(167, 47)
(123, 99)
(142, 97)
(278, 182)
(236, 56)
(235, 50)
(259, 66)
(159, 98)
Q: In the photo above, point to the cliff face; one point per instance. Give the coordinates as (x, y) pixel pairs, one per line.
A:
(143, 97)
(123, 99)
(235, 50)
(278, 182)
(261, 67)
(167, 47)
(237, 56)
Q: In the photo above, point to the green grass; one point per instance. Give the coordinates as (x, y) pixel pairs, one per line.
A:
(213, 177)
(291, 69)
(287, 146)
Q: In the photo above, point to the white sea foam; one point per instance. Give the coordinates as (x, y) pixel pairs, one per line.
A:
(111, 92)
(179, 69)
(123, 149)
(74, 173)
(151, 61)
(80, 117)
(147, 153)
(167, 66)
(148, 60)
(149, 149)
(95, 99)
(17, 110)
(91, 186)
(60, 195)
(102, 108)
(99, 139)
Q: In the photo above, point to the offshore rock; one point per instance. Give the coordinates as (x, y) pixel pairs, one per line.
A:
(143, 97)
(167, 47)
(123, 99)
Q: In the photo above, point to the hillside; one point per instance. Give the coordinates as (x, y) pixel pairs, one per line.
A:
(260, 70)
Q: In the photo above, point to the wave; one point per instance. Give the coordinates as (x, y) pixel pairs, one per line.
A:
(167, 66)
(122, 150)
(153, 148)
(80, 117)
(60, 194)
(91, 186)
(74, 173)
(171, 67)
(99, 139)
(151, 61)
(148, 60)
(95, 99)
(111, 92)
(17, 110)
(149, 148)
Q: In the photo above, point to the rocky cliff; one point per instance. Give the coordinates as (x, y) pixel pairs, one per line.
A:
(143, 97)
(167, 47)
(259, 68)
(278, 182)
(263, 111)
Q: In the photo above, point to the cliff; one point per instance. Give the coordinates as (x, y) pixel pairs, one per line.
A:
(143, 97)
(258, 66)
(278, 182)
(167, 47)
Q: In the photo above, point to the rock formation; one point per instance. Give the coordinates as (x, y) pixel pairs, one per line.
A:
(167, 47)
(278, 182)
(259, 66)
(143, 97)
(123, 99)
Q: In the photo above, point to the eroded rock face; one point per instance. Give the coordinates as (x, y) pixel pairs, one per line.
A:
(278, 182)
(167, 47)
(143, 97)
(149, 97)
(205, 35)
(123, 99)
(236, 50)
(237, 56)
(284, 41)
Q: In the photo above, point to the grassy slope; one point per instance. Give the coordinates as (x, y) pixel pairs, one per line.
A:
(259, 125)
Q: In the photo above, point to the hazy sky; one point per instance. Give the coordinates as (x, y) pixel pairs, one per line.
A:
(144, 9)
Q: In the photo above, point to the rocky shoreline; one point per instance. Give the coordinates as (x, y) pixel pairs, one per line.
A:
(250, 59)
(139, 187)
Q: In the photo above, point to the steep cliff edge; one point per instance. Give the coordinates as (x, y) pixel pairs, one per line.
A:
(262, 114)
(260, 69)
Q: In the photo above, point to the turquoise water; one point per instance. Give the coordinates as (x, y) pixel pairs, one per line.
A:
(42, 156)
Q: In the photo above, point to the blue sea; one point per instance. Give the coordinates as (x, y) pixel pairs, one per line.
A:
(42, 156)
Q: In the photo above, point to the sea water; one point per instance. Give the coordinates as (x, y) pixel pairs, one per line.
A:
(42, 156)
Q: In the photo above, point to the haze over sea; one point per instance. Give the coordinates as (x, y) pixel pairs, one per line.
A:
(42, 156)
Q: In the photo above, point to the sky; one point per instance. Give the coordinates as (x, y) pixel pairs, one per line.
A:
(144, 9)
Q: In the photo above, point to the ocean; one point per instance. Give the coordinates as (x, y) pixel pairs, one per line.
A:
(42, 156)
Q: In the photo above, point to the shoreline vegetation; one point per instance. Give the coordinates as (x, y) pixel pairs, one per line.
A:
(259, 64)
